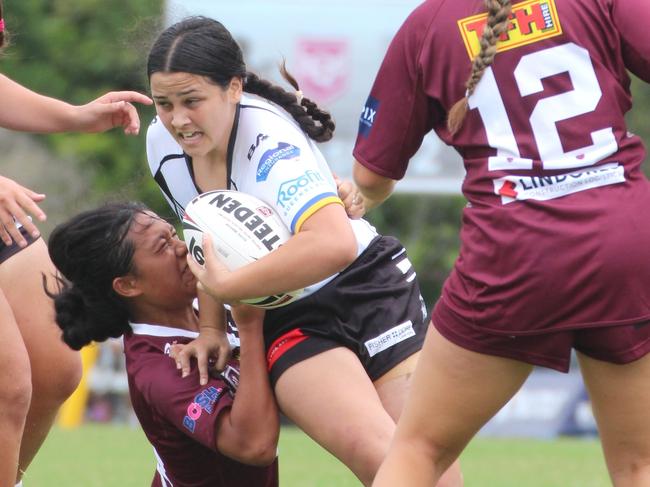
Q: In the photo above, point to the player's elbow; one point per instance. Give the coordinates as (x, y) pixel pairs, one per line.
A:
(343, 251)
(262, 457)
(259, 450)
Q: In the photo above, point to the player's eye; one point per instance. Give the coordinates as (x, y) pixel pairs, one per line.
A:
(164, 105)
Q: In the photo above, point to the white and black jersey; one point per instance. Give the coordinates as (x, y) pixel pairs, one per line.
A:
(269, 156)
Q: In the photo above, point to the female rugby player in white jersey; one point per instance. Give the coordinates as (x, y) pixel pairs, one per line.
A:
(340, 358)
(37, 371)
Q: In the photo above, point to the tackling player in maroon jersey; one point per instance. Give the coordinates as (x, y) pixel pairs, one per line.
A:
(124, 272)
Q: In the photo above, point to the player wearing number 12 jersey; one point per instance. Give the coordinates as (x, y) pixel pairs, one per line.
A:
(555, 243)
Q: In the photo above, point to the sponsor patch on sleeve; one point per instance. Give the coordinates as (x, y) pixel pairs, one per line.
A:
(272, 156)
(301, 196)
(367, 117)
(530, 21)
(203, 402)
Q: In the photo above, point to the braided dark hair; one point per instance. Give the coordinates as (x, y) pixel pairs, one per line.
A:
(203, 46)
(497, 23)
(90, 250)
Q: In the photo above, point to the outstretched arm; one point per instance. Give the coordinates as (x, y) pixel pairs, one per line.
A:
(26, 110)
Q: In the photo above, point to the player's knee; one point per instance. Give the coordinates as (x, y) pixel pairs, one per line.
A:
(56, 384)
(440, 454)
(366, 454)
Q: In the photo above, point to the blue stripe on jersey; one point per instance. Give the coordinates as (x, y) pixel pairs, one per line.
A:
(308, 206)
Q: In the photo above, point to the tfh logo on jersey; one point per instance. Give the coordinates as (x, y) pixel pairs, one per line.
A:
(530, 22)
(203, 401)
(272, 156)
(367, 117)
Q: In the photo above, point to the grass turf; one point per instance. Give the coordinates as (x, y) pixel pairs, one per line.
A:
(97, 455)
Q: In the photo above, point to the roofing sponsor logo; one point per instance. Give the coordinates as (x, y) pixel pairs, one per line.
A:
(272, 156)
(203, 401)
(292, 190)
(389, 338)
(530, 22)
(513, 188)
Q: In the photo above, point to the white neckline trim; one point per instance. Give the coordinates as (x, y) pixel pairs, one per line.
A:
(161, 331)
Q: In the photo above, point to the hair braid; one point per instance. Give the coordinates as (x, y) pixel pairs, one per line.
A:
(316, 123)
(497, 23)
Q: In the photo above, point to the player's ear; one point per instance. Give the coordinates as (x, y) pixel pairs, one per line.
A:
(235, 89)
(126, 286)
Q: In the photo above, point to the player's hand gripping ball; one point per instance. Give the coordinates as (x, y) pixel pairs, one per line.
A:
(243, 229)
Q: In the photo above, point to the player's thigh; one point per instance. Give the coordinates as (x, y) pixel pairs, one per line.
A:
(454, 392)
(393, 387)
(21, 278)
(331, 398)
(620, 398)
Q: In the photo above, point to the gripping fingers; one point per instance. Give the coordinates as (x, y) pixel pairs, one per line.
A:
(4, 235)
(9, 232)
(183, 361)
(202, 360)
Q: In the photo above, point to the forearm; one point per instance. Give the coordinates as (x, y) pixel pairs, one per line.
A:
(326, 245)
(212, 315)
(374, 188)
(26, 110)
(254, 414)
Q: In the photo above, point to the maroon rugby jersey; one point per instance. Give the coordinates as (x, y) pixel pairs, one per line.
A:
(555, 233)
(179, 417)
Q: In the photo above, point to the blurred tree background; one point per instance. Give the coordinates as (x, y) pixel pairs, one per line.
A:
(78, 49)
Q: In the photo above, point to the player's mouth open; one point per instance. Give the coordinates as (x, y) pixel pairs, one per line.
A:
(189, 136)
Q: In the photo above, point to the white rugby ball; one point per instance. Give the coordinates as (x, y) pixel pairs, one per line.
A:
(243, 229)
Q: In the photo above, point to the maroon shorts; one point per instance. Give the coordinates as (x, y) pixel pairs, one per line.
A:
(7, 251)
(619, 344)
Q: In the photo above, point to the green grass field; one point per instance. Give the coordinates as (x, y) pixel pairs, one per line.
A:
(107, 456)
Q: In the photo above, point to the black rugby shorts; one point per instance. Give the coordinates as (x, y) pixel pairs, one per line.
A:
(374, 308)
(7, 251)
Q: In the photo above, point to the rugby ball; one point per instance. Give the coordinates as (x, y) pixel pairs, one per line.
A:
(243, 229)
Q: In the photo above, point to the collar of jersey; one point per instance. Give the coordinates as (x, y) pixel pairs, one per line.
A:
(161, 331)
